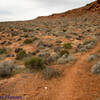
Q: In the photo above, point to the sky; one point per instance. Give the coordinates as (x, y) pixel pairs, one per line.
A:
(13, 10)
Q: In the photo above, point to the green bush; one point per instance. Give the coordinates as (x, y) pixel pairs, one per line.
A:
(34, 63)
(49, 73)
(67, 46)
(3, 51)
(21, 55)
(63, 52)
(28, 41)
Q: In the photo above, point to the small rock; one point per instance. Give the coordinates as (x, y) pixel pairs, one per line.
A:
(46, 88)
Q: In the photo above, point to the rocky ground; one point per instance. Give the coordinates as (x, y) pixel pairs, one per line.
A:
(69, 45)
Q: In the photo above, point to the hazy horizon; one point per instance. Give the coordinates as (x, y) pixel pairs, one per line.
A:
(29, 9)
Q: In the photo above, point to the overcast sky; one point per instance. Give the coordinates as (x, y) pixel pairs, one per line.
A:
(11, 10)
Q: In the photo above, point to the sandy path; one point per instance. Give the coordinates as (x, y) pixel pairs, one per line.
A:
(79, 83)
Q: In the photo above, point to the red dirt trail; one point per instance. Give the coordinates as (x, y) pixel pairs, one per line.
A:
(79, 83)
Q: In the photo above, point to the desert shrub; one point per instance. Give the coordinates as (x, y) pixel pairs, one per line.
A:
(6, 68)
(3, 51)
(12, 29)
(96, 68)
(49, 73)
(63, 52)
(35, 38)
(13, 34)
(38, 29)
(28, 41)
(64, 30)
(26, 35)
(89, 44)
(67, 46)
(35, 63)
(18, 50)
(21, 55)
(19, 70)
(25, 30)
(92, 57)
(89, 41)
